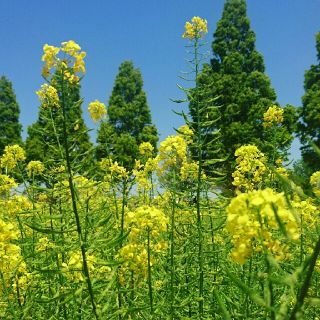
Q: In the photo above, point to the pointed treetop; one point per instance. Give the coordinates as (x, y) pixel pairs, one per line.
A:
(318, 45)
(234, 42)
(10, 128)
(129, 119)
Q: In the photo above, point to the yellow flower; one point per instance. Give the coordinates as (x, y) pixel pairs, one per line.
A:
(79, 63)
(189, 170)
(72, 78)
(253, 222)
(73, 268)
(11, 156)
(48, 96)
(73, 59)
(13, 268)
(195, 29)
(44, 244)
(173, 148)
(315, 183)
(45, 71)
(186, 133)
(97, 110)
(148, 217)
(34, 168)
(118, 170)
(146, 148)
(274, 115)
(49, 57)
(70, 47)
(250, 167)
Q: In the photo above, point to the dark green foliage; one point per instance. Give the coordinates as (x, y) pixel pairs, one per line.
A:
(300, 174)
(10, 128)
(309, 127)
(129, 120)
(236, 76)
(45, 136)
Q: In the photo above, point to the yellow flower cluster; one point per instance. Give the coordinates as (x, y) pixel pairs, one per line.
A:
(97, 110)
(146, 149)
(71, 64)
(143, 173)
(280, 169)
(73, 269)
(172, 151)
(189, 171)
(11, 156)
(8, 231)
(118, 171)
(113, 173)
(70, 77)
(71, 48)
(48, 96)
(315, 183)
(274, 115)
(173, 154)
(85, 189)
(6, 184)
(306, 211)
(255, 221)
(13, 268)
(134, 257)
(14, 205)
(148, 218)
(44, 244)
(195, 29)
(186, 132)
(142, 222)
(49, 57)
(250, 167)
(34, 168)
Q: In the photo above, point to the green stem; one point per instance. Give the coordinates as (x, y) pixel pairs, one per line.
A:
(172, 268)
(198, 192)
(270, 289)
(302, 294)
(301, 239)
(149, 275)
(124, 202)
(74, 201)
(249, 286)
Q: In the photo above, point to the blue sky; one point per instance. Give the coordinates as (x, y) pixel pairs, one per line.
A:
(148, 32)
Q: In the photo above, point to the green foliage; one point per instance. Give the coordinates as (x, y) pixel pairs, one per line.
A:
(129, 121)
(10, 128)
(236, 76)
(45, 136)
(309, 127)
(300, 175)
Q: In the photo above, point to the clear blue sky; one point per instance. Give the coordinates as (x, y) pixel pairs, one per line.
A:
(148, 32)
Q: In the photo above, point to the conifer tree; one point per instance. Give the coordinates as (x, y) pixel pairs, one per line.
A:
(10, 128)
(129, 119)
(236, 77)
(309, 127)
(45, 136)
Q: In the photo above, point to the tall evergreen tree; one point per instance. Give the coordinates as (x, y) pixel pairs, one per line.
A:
(129, 119)
(10, 128)
(309, 127)
(45, 136)
(236, 77)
